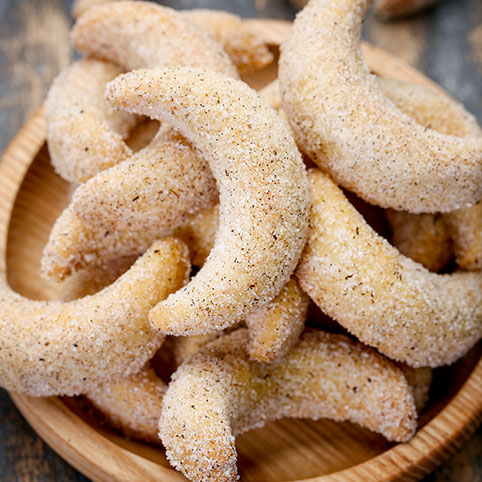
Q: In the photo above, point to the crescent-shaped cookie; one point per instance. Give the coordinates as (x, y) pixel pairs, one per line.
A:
(220, 393)
(275, 327)
(244, 46)
(385, 299)
(84, 135)
(56, 348)
(428, 238)
(143, 34)
(134, 405)
(262, 189)
(351, 130)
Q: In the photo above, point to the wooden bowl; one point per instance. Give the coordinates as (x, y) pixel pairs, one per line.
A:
(32, 196)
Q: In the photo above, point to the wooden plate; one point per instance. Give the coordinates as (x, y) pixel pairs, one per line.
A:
(32, 196)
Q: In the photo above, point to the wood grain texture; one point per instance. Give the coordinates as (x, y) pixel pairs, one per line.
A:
(34, 47)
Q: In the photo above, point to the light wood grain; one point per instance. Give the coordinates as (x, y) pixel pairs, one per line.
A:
(31, 197)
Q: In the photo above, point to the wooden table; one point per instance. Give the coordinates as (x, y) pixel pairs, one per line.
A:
(445, 43)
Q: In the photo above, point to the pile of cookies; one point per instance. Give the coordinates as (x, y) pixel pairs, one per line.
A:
(208, 217)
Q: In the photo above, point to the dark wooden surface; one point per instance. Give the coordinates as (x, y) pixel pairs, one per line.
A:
(445, 43)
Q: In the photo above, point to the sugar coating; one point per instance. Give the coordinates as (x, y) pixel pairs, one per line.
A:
(73, 246)
(390, 9)
(56, 348)
(385, 299)
(350, 129)
(425, 238)
(220, 393)
(276, 327)
(158, 188)
(433, 109)
(144, 34)
(132, 405)
(262, 189)
(245, 47)
(465, 226)
(84, 135)
(428, 238)
(120, 211)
